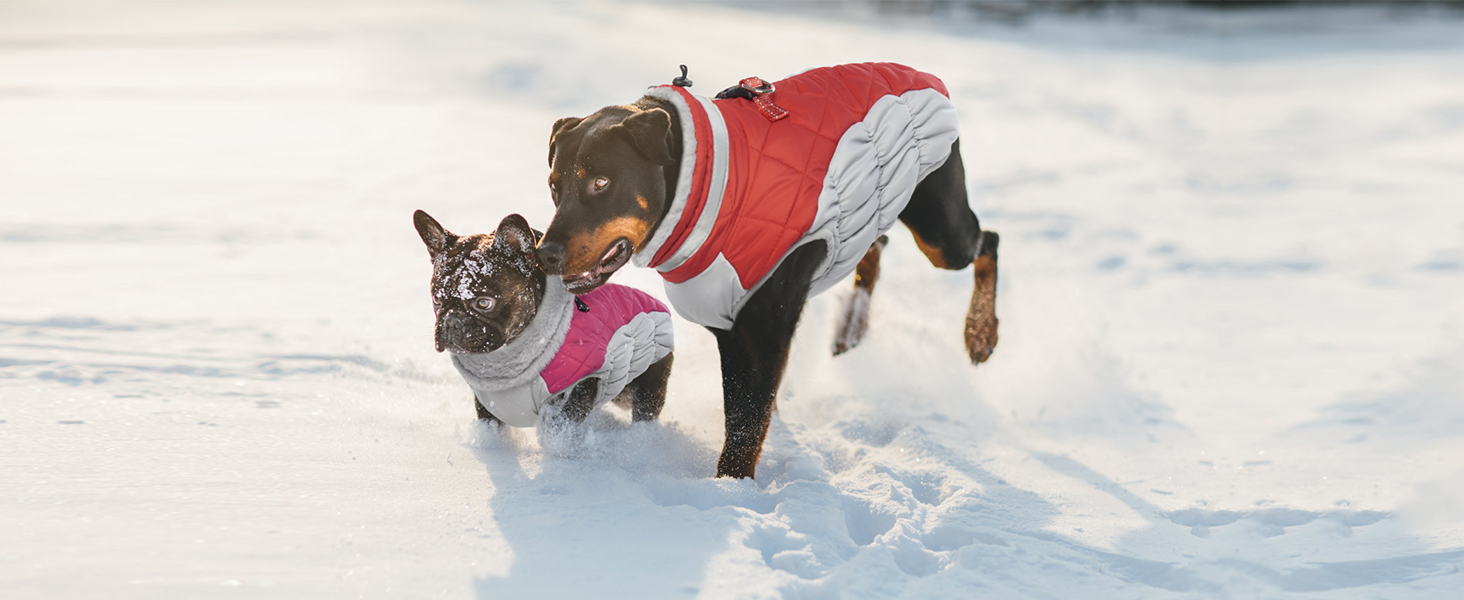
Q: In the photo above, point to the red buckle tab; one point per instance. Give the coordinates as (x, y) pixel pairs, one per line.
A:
(761, 93)
(756, 86)
(772, 111)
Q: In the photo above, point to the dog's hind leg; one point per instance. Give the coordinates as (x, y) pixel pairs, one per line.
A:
(648, 391)
(981, 321)
(855, 319)
(755, 352)
(947, 232)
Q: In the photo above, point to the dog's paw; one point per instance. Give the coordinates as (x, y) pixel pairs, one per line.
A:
(981, 321)
(980, 339)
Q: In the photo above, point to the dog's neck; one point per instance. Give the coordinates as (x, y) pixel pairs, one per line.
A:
(673, 170)
(522, 359)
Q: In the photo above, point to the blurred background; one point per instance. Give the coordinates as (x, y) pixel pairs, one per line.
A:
(1230, 364)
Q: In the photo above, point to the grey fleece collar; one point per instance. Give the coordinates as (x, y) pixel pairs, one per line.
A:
(521, 360)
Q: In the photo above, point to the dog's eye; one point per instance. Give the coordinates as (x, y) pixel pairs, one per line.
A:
(485, 303)
(601, 182)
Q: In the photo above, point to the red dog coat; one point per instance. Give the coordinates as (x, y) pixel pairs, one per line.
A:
(840, 168)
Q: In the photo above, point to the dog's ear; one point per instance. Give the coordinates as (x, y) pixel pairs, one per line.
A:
(559, 127)
(436, 238)
(515, 235)
(650, 132)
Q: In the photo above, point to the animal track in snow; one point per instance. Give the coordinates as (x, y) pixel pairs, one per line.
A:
(881, 502)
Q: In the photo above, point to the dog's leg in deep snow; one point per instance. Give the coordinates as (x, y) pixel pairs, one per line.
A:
(483, 414)
(856, 314)
(946, 230)
(754, 353)
(581, 400)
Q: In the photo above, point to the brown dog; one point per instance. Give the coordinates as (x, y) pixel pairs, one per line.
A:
(750, 203)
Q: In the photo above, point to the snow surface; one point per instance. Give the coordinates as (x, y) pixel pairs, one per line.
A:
(1230, 366)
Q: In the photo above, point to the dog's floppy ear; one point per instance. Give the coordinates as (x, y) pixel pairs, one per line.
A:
(515, 235)
(650, 132)
(436, 238)
(559, 127)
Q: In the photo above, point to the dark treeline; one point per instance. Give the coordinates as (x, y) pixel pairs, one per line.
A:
(1029, 6)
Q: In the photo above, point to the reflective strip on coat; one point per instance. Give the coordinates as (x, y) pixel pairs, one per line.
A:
(840, 168)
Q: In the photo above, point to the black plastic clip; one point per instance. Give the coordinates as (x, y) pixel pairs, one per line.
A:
(580, 305)
(681, 81)
(760, 93)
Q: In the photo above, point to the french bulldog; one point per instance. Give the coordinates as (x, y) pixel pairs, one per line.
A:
(528, 348)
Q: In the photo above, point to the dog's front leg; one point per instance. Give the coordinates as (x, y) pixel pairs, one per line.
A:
(560, 428)
(579, 401)
(484, 415)
(755, 351)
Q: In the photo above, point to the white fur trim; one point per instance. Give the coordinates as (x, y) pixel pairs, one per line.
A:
(715, 188)
(643, 255)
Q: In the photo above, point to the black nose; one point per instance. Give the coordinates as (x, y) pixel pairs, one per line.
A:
(456, 322)
(450, 331)
(551, 257)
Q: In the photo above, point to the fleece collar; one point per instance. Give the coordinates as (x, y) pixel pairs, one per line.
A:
(703, 177)
(524, 358)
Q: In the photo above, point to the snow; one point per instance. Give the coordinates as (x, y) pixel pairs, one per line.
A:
(1230, 351)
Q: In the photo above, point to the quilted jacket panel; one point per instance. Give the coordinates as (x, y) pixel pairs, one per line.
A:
(777, 169)
(585, 348)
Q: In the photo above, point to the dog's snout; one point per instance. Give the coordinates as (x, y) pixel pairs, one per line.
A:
(551, 257)
(450, 331)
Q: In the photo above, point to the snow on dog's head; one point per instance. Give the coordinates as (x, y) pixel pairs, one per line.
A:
(485, 288)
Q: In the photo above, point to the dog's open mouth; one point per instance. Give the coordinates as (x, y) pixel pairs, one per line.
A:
(614, 258)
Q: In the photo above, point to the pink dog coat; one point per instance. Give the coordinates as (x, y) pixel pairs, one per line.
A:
(624, 331)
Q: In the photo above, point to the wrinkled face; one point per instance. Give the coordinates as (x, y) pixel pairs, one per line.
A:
(486, 289)
(607, 179)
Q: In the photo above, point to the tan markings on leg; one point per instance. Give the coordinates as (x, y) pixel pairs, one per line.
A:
(981, 321)
(586, 250)
(855, 320)
(936, 257)
(868, 270)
